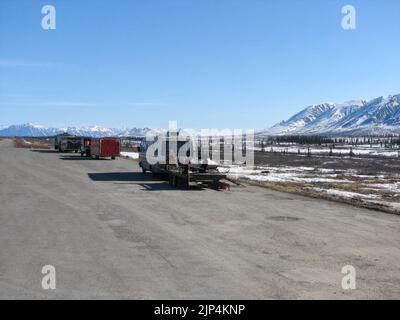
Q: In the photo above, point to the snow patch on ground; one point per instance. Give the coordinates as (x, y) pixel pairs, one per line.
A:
(348, 194)
(395, 187)
(280, 174)
(343, 184)
(131, 155)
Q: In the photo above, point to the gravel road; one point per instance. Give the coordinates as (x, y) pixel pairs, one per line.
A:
(112, 232)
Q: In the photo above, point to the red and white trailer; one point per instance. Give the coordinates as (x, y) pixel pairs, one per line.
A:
(105, 147)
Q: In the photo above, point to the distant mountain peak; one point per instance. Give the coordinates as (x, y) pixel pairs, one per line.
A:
(355, 117)
(33, 130)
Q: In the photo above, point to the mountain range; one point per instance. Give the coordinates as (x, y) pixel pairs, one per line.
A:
(378, 116)
(31, 130)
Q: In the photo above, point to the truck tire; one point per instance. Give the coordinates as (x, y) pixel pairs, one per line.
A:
(112, 158)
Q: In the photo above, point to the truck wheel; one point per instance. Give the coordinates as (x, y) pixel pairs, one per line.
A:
(112, 158)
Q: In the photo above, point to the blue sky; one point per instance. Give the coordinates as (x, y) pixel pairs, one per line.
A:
(204, 63)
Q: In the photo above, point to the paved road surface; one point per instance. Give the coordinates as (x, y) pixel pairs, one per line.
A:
(112, 232)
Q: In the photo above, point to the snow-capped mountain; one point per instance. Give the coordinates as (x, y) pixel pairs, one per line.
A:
(28, 130)
(359, 117)
(31, 130)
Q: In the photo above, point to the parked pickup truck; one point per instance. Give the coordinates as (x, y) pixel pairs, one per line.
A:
(105, 147)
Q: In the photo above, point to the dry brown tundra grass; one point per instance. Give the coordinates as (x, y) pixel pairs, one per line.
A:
(305, 189)
(370, 186)
(20, 143)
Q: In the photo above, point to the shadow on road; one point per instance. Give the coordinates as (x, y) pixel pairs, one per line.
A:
(44, 150)
(120, 176)
(78, 157)
(156, 186)
(138, 178)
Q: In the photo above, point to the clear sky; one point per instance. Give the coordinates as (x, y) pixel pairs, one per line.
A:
(204, 63)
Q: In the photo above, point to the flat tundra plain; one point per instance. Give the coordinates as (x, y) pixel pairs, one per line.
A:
(112, 232)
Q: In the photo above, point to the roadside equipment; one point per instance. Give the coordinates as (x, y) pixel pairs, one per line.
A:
(194, 172)
(57, 139)
(68, 143)
(105, 147)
